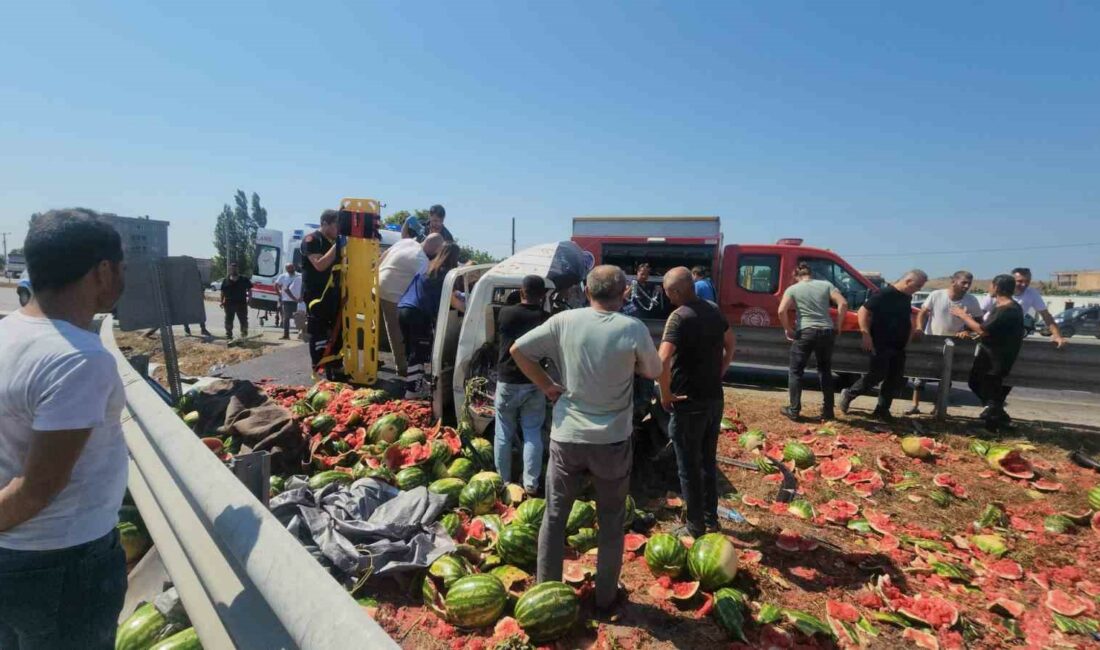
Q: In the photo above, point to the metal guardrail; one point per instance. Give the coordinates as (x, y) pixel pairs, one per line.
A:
(1040, 364)
(245, 581)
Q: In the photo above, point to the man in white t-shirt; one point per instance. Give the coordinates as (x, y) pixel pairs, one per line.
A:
(1031, 301)
(289, 285)
(935, 317)
(396, 270)
(62, 454)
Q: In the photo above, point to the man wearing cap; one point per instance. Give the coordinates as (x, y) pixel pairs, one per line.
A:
(399, 264)
(520, 405)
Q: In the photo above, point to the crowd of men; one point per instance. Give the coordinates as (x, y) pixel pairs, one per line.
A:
(63, 458)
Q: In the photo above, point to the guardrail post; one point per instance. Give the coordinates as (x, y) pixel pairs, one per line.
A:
(944, 394)
(254, 472)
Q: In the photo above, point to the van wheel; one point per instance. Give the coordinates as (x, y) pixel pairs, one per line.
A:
(1068, 332)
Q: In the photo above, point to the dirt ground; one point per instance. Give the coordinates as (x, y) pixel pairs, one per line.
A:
(197, 356)
(912, 535)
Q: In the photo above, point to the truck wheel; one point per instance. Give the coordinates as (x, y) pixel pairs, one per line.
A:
(24, 296)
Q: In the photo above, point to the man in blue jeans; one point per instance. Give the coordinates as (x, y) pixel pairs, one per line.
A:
(62, 455)
(520, 405)
(696, 348)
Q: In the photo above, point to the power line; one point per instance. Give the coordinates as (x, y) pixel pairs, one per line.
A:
(976, 250)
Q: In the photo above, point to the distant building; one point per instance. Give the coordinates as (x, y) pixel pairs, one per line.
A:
(1077, 280)
(142, 237)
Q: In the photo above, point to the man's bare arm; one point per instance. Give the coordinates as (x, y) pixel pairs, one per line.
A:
(1055, 331)
(536, 374)
(841, 309)
(729, 345)
(49, 466)
(785, 316)
(324, 262)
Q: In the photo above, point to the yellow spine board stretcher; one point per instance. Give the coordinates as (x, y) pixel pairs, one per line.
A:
(359, 300)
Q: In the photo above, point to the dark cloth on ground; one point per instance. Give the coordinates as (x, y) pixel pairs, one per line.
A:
(368, 526)
(818, 342)
(514, 322)
(241, 409)
(891, 318)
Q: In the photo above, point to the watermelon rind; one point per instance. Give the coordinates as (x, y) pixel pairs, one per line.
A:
(582, 515)
(448, 568)
(476, 601)
(799, 454)
(143, 628)
(547, 611)
(462, 468)
(530, 512)
(448, 487)
(411, 477)
(387, 428)
(729, 609)
(478, 497)
(712, 560)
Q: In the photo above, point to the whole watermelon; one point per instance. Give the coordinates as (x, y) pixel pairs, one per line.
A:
(712, 561)
(411, 435)
(480, 451)
(583, 515)
(448, 487)
(438, 469)
(519, 545)
(441, 453)
(320, 400)
(800, 453)
(476, 601)
(451, 522)
(583, 540)
(381, 473)
(530, 512)
(411, 477)
(491, 477)
(462, 468)
(187, 639)
(665, 555)
(322, 423)
(144, 627)
(448, 568)
(478, 497)
(134, 541)
(547, 611)
(387, 428)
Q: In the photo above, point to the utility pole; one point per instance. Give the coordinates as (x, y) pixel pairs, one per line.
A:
(5, 237)
(513, 235)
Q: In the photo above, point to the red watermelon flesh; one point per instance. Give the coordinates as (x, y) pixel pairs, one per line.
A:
(791, 541)
(948, 482)
(879, 522)
(706, 607)
(450, 437)
(931, 610)
(398, 457)
(1014, 464)
(1007, 569)
(835, 469)
(1095, 523)
(842, 611)
(574, 573)
(921, 639)
(1064, 604)
(506, 628)
(1046, 485)
(1089, 588)
(754, 502)
(751, 556)
(838, 511)
(684, 591)
(1008, 606)
(633, 542)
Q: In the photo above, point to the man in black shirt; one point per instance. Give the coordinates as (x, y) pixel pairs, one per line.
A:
(695, 351)
(436, 216)
(520, 405)
(886, 321)
(1002, 337)
(236, 290)
(320, 252)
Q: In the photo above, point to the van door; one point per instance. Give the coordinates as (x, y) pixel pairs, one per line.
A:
(448, 326)
(268, 258)
(852, 286)
(752, 284)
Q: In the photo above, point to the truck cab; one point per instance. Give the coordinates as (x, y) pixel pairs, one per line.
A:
(750, 278)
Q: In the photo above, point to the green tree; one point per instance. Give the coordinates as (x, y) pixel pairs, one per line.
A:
(397, 218)
(477, 256)
(235, 232)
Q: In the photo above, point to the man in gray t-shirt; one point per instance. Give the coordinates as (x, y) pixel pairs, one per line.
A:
(813, 333)
(598, 351)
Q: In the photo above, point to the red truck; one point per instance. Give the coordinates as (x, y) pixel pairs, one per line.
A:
(750, 278)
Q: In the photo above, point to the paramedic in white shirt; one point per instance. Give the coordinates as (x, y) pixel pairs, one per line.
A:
(62, 455)
(399, 264)
(290, 294)
(1030, 300)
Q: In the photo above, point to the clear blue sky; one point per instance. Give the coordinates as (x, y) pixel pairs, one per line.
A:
(884, 128)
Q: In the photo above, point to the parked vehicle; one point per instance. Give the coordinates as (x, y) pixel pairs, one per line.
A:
(23, 289)
(1075, 320)
(750, 278)
(15, 265)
